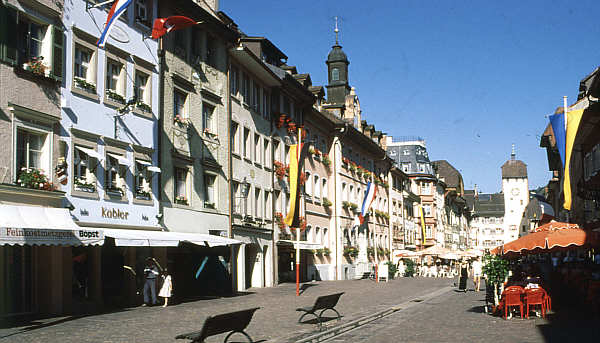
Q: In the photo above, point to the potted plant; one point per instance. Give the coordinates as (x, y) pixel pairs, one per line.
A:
(353, 207)
(279, 220)
(35, 179)
(142, 194)
(391, 269)
(36, 66)
(371, 251)
(346, 204)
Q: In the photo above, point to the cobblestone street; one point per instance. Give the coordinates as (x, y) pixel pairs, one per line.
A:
(276, 321)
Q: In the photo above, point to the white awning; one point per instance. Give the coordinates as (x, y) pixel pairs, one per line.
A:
(138, 238)
(90, 152)
(154, 169)
(31, 225)
(302, 244)
(149, 166)
(122, 159)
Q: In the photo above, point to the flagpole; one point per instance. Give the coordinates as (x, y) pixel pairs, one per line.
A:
(298, 228)
(565, 111)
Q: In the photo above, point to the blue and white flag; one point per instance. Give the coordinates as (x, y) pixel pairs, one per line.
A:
(118, 7)
(367, 201)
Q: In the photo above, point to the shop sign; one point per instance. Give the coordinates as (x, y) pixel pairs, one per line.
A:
(22, 236)
(114, 213)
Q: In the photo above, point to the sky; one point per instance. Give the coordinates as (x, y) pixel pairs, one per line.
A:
(470, 77)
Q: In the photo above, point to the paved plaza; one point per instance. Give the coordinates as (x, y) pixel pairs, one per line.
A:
(426, 310)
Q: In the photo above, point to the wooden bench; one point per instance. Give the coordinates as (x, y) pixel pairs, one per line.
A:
(323, 303)
(228, 322)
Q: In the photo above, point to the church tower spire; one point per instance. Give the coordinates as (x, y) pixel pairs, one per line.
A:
(337, 68)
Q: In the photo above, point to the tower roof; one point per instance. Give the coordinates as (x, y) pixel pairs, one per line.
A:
(337, 54)
(514, 168)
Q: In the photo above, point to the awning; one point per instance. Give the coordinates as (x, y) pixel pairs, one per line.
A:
(302, 244)
(31, 225)
(154, 169)
(122, 159)
(90, 152)
(149, 166)
(147, 238)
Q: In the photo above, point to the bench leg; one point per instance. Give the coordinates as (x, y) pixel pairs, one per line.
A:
(339, 316)
(242, 332)
(314, 314)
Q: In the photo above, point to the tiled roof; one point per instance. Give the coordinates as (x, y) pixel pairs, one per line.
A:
(514, 168)
(451, 176)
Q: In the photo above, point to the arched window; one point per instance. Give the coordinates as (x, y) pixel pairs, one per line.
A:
(317, 187)
(324, 188)
(325, 237)
(344, 193)
(351, 194)
(317, 235)
(335, 74)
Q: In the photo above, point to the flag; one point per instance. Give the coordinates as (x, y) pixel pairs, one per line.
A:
(118, 8)
(573, 120)
(367, 201)
(558, 126)
(162, 26)
(297, 154)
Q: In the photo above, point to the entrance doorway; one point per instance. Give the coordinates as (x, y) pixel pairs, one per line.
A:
(254, 266)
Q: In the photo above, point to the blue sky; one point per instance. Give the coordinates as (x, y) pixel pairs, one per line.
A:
(471, 77)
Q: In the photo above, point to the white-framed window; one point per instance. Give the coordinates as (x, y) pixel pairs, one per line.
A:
(84, 67)
(142, 180)
(233, 82)
(427, 210)
(114, 175)
(257, 148)
(142, 87)
(208, 121)
(84, 169)
(277, 149)
(181, 186)
(258, 203)
(143, 12)
(351, 191)
(324, 190)
(317, 186)
(235, 140)
(32, 151)
(268, 205)
(277, 196)
(247, 144)
(344, 192)
(267, 152)
(115, 77)
(308, 184)
(180, 104)
(335, 74)
(210, 191)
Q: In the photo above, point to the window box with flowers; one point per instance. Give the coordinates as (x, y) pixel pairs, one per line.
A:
(380, 252)
(37, 67)
(35, 179)
(144, 107)
(281, 121)
(280, 170)
(326, 161)
(359, 171)
(115, 191)
(181, 200)
(142, 194)
(210, 205)
(326, 202)
(326, 251)
(345, 162)
(210, 134)
(291, 128)
(114, 96)
(82, 83)
(352, 166)
(181, 121)
(346, 204)
(370, 251)
(279, 220)
(350, 251)
(84, 186)
(353, 207)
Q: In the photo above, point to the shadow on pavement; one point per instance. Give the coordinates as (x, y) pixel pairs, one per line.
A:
(306, 286)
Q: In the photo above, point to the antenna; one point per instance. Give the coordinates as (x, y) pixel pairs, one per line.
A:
(336, 30)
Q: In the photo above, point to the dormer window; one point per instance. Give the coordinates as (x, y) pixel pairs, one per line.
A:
(335, 74)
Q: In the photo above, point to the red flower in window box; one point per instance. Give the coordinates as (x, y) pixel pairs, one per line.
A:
(291, 127)
(280, 169)
(281, 120)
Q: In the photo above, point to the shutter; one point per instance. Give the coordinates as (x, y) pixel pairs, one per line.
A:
(57, 52)
(8, 41)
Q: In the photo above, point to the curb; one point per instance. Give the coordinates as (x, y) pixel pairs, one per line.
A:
(338, 330)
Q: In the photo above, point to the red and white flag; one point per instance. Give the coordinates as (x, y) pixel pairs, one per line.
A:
(162, 26)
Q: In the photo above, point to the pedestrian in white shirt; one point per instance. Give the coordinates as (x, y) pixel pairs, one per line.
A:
(150, 275)
(477, 271)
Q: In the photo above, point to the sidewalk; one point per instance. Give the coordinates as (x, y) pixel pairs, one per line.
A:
(276, 321)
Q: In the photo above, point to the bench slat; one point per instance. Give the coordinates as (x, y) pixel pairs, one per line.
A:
(221, 323)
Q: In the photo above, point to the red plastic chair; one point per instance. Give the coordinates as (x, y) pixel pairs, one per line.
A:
(548, 301)
(533, 297)
(512, 297)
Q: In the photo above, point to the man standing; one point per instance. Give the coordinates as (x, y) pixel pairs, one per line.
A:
(477, 271)
(150, 274)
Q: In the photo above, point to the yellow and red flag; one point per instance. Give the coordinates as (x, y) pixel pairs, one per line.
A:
(297, 154)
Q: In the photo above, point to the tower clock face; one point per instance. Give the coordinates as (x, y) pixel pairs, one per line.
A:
(515, 191)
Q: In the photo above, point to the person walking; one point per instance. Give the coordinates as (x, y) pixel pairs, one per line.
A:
(150, 273)
(167, 287)
(477, 271)
(463, 277)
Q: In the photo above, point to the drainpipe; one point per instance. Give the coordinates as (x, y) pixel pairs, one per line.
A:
(232, 264)
(344, 132)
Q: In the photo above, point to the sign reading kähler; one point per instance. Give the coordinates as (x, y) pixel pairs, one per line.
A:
(114, 213)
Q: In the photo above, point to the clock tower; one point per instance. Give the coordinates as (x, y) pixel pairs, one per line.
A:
(515, 188)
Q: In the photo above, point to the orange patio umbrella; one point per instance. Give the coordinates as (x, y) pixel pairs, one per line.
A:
(553, 235)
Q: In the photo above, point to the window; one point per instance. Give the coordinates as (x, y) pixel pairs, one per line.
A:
(265, 104)
(210, 193)
(286, 106)
(317, 186)
(208, 121)
(277, 195)
(268, 205)
(141, 88)
(84, 73)
(32, 151)
(211, 50)
(324, 188)
(180, 40)
(255, 97)
(114, 175)
(406, 167)
(247, 143)
(35, 41)
(276, 149)
(308, 184)
(257, 203)
(344, 192)
(351, 193)
(142, 180)
(84, 165)
(257, 148)
(115, 85)
(427, 210)
(267, 151)
(335, 74)
(143, 12)
(235, 141)
(245, 85)
(233, 82)
(179, 102)
(181, 186)
(236, 198)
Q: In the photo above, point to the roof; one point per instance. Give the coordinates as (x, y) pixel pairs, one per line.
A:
(485, 204)
(514, 168)
(337, 54)
(452, 177)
